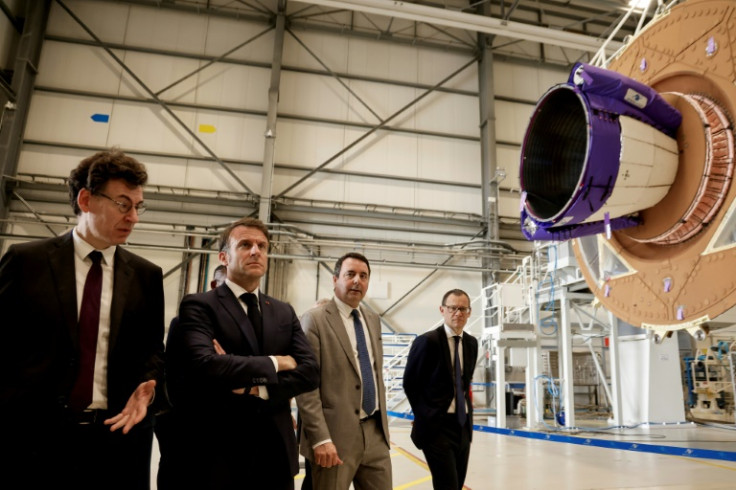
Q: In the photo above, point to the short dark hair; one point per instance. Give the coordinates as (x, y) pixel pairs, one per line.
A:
(220, 268)
(350, 255)
(95, 171)
(455, 292)
(247, 222)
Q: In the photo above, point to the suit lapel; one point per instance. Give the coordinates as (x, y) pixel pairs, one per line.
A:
(444, 343)
(334, 321)
(268, 317)
(122, 278)
(372, 321)
(232, 305)
(61, 262)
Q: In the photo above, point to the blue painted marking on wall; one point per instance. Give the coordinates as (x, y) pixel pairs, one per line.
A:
(687, 452)
(101, 118)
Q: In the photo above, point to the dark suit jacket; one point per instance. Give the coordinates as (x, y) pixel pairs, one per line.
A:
(200, 381)
(39, 307)
(429, 380)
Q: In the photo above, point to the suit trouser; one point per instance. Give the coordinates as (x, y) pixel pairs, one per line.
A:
(447, 453)
(83, 456)
(368, 468)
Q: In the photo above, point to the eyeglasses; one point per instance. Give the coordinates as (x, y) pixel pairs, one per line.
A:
(125, 206)
(461, 309)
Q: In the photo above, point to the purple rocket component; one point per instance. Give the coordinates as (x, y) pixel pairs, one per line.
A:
(667, 285)
(643, 65)
(607, 224)
(607, 291)
(570, 158)
(522, 201)
(610, 91)
(711, 47)
(680, 312)
(570, 155)
(532, 230)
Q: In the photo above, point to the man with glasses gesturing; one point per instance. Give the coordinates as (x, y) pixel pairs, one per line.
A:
(83, 326)
(437, 383)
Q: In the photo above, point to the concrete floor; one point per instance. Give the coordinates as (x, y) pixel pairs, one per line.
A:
(656, 458)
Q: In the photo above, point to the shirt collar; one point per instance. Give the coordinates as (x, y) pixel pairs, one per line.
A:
(450, 333)
(82, 248)
(344, 308)
(239, 290)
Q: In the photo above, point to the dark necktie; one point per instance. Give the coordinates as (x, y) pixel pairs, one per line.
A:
(89, 325)
(366, 372)
(459, 392)
(254, 315)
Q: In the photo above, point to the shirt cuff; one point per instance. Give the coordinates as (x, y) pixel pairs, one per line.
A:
(322, 443)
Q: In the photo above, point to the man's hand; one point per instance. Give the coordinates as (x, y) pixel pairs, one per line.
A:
(326, 455)
(286, 363)
(220, 351)
(136, 408)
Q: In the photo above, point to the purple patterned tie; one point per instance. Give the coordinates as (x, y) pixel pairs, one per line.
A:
(89, 324)
(459, 391)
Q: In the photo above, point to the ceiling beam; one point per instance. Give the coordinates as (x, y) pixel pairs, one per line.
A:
(472, 22)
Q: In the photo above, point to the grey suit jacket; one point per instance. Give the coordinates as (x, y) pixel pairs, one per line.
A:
(332, 411)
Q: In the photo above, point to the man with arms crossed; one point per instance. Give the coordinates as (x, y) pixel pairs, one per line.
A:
(235, 360)
(83, 326)
(344, 425)
(437, 383)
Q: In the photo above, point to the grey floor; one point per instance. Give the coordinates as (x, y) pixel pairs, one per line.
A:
(577, 462)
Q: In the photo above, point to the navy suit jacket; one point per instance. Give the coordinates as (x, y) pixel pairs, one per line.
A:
(200, 381)
(38, 301)
(429, 380)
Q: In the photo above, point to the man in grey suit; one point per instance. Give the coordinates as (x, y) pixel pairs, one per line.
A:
(344, 425)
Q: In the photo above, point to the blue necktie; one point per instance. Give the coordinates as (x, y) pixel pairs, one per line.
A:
(369, 387)
(459, 392)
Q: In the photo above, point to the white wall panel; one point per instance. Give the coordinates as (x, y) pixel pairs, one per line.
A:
(512, 120)
(330, 50)
(306, 145)
(385, 100)
(434, 66)
(48, 161)
(508, 158)
(233, 86)
(451, 160)
(107, 20)
(148, 127)
(67, 119)
(235, 136)
(76, 67)
(455, 114)
(525, 82)
(315, 96)
(225, 34)
(157, 72)
(383, 153)
(461, 199)
(166, 29)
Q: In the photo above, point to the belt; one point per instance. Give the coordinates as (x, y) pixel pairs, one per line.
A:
(373, 416)
(89, 417)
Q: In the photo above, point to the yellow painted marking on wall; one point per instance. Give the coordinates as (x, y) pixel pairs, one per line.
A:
(206, 128)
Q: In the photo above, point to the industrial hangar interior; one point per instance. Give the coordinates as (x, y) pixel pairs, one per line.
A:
(395, 129)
